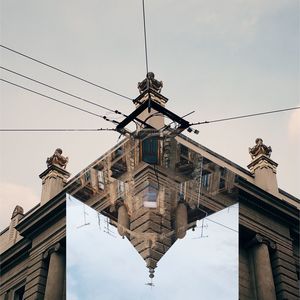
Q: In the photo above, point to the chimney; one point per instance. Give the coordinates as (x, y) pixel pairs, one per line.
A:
(263, 167)
(55, 177)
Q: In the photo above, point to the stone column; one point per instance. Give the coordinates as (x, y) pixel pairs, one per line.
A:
(264, 282)
(56, 273)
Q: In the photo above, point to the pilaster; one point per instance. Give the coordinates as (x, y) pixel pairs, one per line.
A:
(56, 272)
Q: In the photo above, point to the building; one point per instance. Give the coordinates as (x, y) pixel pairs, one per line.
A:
(154, 185)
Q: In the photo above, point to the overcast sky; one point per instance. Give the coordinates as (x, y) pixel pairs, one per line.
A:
(100, 266)
(219, 58)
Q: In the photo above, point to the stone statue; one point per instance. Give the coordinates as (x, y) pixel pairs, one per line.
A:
(18, 210)
(150, 82)
(260, 148)
(57, 159)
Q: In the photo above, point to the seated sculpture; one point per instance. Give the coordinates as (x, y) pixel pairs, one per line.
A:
(259, 149)
(57, 159)
(150, 82)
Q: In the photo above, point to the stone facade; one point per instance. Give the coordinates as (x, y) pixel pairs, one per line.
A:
(33, 263)
(154, 186)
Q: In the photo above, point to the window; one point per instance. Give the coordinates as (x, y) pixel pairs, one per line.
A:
(222, 183)
(150, 153)
(101, 182)
(184, 151)
(120, 189)
(222, 172)
(87, 176)
(19, 293)
(117, 153)
(206, 180)
(149, 196)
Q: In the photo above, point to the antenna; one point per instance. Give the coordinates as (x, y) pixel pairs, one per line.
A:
(107, 229)
(202, 230)
(84, 218)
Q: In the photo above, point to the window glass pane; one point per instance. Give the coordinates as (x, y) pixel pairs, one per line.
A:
(149, 196)
(101, 180)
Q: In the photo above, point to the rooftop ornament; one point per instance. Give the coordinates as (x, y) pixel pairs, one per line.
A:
(260, 149)
(57, 159)
(150, 83)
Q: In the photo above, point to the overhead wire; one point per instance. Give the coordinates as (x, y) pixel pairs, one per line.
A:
(246, 116)
(61, 102)
(65, 72)
(54, 129)
(218, 223)
(62, 91)
(145, 37)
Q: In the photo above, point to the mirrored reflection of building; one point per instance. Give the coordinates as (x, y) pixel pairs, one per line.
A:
(154, 185)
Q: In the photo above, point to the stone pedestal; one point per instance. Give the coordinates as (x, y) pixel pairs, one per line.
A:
(264, 170)
(264, 282)
(53, 180)
(56, 273)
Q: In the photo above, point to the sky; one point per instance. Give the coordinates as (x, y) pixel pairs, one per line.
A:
(101, 266)
(217, 58)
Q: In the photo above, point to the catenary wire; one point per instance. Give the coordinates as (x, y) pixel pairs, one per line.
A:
(62, 91)
(145, 36)
(65, 72)
(246, 116)
(59, 101)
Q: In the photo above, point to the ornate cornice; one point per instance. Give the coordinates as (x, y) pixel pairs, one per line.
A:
(262, 161)
(53, 169)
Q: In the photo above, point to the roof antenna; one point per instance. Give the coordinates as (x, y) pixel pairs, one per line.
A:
(84, 218)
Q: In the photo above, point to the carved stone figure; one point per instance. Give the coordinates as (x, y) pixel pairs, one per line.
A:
(150, 82)
(18, 210)
(57, 159)
(260, 148)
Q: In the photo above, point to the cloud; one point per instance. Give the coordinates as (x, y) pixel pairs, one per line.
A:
(100, 262)
(11, 195)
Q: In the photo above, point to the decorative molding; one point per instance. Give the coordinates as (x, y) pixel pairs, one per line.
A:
(262, 161)
(53, 169)
(54, 248)
(259, 239)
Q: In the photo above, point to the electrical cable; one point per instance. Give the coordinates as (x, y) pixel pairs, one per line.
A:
(62, 91)
(246, 116)
(59, 101)
(221, 225)
(53, 129)
(65, 72)
(145, 37)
